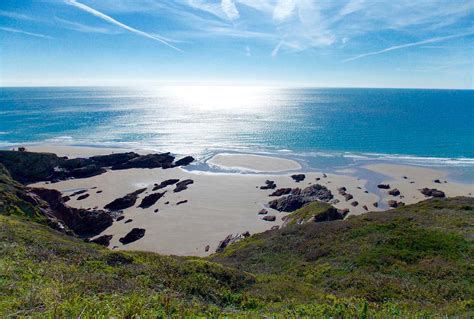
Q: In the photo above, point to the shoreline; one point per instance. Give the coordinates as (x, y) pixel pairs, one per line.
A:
(221, 203)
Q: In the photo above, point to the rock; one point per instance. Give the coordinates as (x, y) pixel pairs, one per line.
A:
(263, 212)
(342, 190)
(268, 185)
(392, 203)
(184, 161)
(98, 192)
(156, 210)
(355, 203)
(334, 201)
(103, 240)
(404, 177)
(365, 207)
(383, 186)
(281, 192)
(206, 249)
(87, 171)
(432, 192)
(128, 221)
(78, 192)
(246, 234)
(232, 238)
(394, 192)
(150, 200)
(167, 202)
(114, 159)
(180, 186)
(437, 181)
(295, 191)
(324, 175)
(329, 215)
(276, 227)
(85, 223)
(269, 218)
(165, 183)
(164, 160)
(181, 202)
(124, 202)
(376, 204)
(66, 198)
(134, 235)
(298, 177)
(83, 197)
(343, 211)
(309, 194)
(120, 218)
(348, 197)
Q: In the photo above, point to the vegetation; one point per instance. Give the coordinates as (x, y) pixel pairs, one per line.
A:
(415, 261)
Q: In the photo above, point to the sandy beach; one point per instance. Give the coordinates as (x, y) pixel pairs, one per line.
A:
(219, 204)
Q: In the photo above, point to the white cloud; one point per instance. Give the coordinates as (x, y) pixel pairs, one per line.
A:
(119, 24)
(284, 9)
(37, 35)
(76, 26)
(230, 10)
(408, 45)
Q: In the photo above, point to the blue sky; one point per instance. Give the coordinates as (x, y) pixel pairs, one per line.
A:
(352, 43)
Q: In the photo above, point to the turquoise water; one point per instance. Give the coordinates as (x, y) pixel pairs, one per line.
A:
(421, 125)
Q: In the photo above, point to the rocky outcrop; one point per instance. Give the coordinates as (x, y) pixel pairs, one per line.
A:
(83, 222)
(298, 177)
(231, 238)
(134, 235)
(281, 192)
(124, 202)
(150, 200)
(181, 186)
(30, 167)
(297, 200)
(432, 192)
(165, 183)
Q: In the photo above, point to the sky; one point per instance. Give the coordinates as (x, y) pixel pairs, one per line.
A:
(306, 43)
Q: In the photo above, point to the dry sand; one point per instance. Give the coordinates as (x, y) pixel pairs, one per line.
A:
(255, 163)
(223, 203)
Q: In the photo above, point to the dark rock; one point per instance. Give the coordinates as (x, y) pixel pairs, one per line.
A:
(66, 198)
(355, 203)
(281, 192)
(348, 197)
(180, 186)
(82, 191)
(98, 192)
(269, 218)
(103, 240)
(206, 249)
(128, 221)
(232, 238)
(376, 204)
(298, 177)
(365, 207)
(394, 192)
(114, 159)
(343, 211)
(268, 185)
(432, 192)
(164, 160)
(165, 183)
(124, 202)
(120, 218)
(437, 181)
(246, 234)
(309, 194)
(156, 210)
(324, 175)
(181, 202)
(404, 177)
(394, 204)
(83, 197)
(134, 235)
(81, 221)
(87, 171)
(383, 186)
(184, 161)
(263, 212)
(342, 190)
(296, 191)
(167, 202)
(150, 200)
(276, 227)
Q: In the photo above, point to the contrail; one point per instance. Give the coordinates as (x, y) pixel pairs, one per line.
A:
(27, 33)
(118, 23)
(408, 45)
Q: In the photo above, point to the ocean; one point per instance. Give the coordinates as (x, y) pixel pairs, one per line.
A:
(323, 125)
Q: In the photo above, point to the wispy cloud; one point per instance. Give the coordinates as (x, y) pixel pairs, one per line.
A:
(15, 15)
(120, 24)
(76, 26)
(230, 10)
(408, 45)
(37, 35)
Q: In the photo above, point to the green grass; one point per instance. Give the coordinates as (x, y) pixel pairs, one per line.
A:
(307, 212)
(412, 262)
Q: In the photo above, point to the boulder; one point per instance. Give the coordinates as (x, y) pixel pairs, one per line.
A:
(180, 186)
(103, 240)
(134, 235)
(292, 202)
(268, 185)
(432, 192)
(348, 197)
(150, 200)
(83, 197)
(263, 212)
(355, 203)
(298, 177)
(269, 218)
(394, 192)
(124, 202)
(383, 186)
(342, 190)
(281, 192)
(376, 204)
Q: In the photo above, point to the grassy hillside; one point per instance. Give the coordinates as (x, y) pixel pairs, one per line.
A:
(416, 261)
